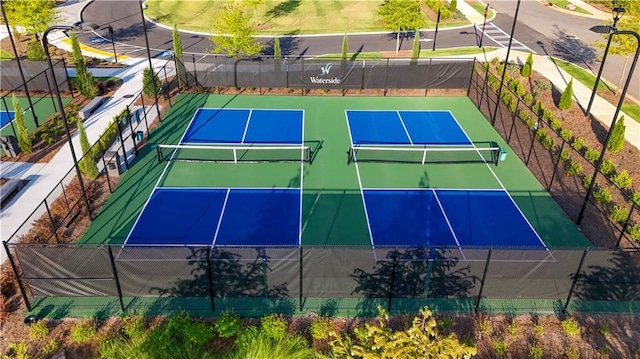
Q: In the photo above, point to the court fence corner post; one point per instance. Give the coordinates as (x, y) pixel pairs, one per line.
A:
(484, 278)
(575, 280)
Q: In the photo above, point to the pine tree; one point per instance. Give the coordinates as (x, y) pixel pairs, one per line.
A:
(616, 141)
(277, 53)
(24, 140)
(150, 82)
(415, 51)
(87, 164)
(345, 47)
(86, 83)
(35, 51)
(566, 99)
(526, 69)
(177, 52)
(453, 5)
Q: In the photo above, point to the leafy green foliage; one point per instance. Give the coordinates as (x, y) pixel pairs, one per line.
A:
(51, 346)
(453, 5)
(571, 327)
(228, 325)
(574, 168)
(274, 326)
(86, 82)
(345, 47)
(277, 52)
(591, 154)
(35, 51)
(84, 331)
(586, 182)
(415, 48)
(34, 15)
(178, 52)
(321, 328)
(438, 5)
(572, 352)
(622, 179)
(602, 196)
(150, 82)
(234, 32)
(578, 143)
(528, 98)
(87, 164)
(512, 329)
(616, 140)
(566, 134)
(566, 99)
(526, 69)
(38, 330)
(401, 16)
(538, 329)
(421, 340)
(255, 343)
(634, 231)
(501, 347)
(24, 139)
(618, 214)
(565, 154)
(635, 198)
(536, 352)
(607, 167)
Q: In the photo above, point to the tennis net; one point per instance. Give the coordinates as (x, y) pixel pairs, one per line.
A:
(234, 154)
(423, 154)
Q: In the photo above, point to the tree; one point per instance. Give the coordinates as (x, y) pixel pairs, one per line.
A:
(34, 15)
(86, 82)
(401, 16)
(277, 53)
(526, 69)
(35, 51)
(415, 50)
(254, 4)
(24, 140)
(421, 340)
(234, 34)
(87, 164)
(616, 141)
(453, 5)
(178, 52)
(345, 47)
(151, 84)
(566, 99)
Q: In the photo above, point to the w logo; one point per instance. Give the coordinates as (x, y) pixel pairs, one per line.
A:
(325, 69)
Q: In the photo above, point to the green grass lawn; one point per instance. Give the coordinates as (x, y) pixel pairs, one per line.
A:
(4, 55)
(563, 4)
(588, 79)
(281, 17)
(480, 8)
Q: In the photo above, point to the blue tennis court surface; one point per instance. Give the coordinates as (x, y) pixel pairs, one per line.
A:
(237, 126)
(6, 117)
(405, 128)
(219, 216)
(444, 217)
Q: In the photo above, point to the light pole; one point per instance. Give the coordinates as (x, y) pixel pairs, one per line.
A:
(617, 14)
(113, 44)
(615, 118)
(45, 43)
(506, 63)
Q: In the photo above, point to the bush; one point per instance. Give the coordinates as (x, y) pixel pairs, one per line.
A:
(228, 325)
(591, 155)
(607, 167)
(602, 196)
(38, 330)
(566, 134)
(622, 179)
(321, 328)
(536, 352)
(151, 84)
(542, 84)
(24, 139)
(500, 347)
(566, 99)
(618, 214)
(537, 108)
(555, 124)
(571, 327)
(565, 155)
(574, 168)
(578, 143)
(616, 141)
(274, 326)
(35, 51)
(635, 198)
(84, 331)
(634, 231)
(453, 5)
(586, 182)
(526, 69)
(528, 99)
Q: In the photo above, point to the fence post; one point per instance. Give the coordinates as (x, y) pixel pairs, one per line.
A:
(53, 225)
(115, 276)
(104, 163)
(533, 140)
(575, 279)
(212, 292)
(195, 70)
(300, 269)
(626, 223)
(555, 167)
(484, 278)
(167, 88)
(124, 150)
(473, 70)
(393, 278)
(14, 268)
(484, 88)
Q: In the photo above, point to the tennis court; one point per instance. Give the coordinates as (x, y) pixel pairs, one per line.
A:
(5, 118)
(248, 176)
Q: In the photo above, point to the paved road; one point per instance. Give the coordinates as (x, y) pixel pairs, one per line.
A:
(564, 35)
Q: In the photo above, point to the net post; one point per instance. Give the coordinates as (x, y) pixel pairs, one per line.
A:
(159, 153)
(235, 155)
(350, 155)
(496, 159)
(424, 156)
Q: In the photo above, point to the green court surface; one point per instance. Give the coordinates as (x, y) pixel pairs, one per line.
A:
(43, 107)
(332, 206)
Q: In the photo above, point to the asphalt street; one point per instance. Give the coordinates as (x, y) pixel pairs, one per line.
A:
(543, 30)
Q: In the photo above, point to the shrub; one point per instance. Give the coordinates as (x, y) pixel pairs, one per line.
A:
(578, 143)
(190, 330)
(495, 60)
(544, 138)
(538, 329)
(38, 330)
(537, 107)
(254, 343)
(602, 195)
(616, 141)
(634, 231)
(35, 51)
(607, 167)
(555, 124)
(84, 331)
(150, 82)
(586, 182)
(453, 5)
(228, 325)
(274, 326)
(566, 99)
(566, 134)
(526, 69)
(512, 329)
(635, 198)
(571, 327)
(565, 155)
(500, 347)
(618, 214)
(87, 164)
(547, 115)
(24, 139)
(574, 168)
(536, 352)
(622, 179)
(444, 324)
(524, 115)
(591, 155)
(51, 346)
(528, 99)
(572, 352)
(321, 328)
(542, 84)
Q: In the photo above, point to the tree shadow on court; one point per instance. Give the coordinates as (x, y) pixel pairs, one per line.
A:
(228, 273)
(614, 276)
(417, 273)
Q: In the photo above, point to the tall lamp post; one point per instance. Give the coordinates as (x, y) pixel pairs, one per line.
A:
(615, 115)
(45, 43)
(617, 14)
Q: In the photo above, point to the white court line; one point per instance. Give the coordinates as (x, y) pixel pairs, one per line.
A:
(224, 206)
(246, 126)
(301, 180)
(405, 127)
(446, 218)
